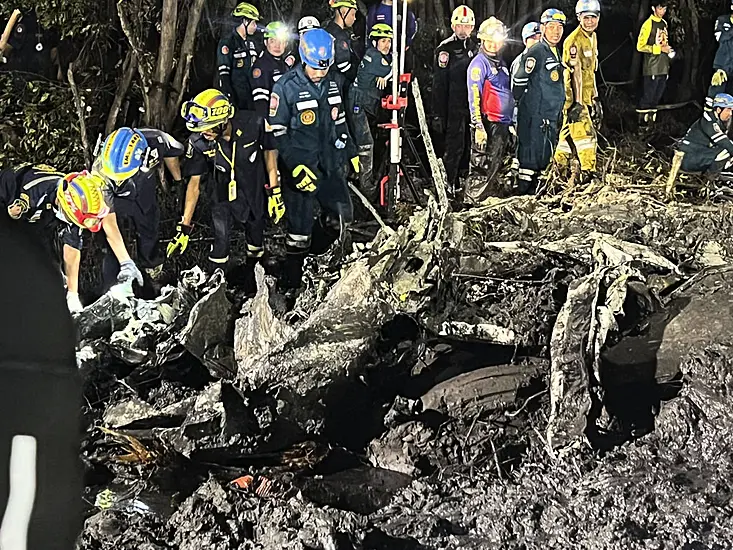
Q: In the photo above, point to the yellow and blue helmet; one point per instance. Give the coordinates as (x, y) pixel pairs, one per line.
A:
(207, 110)
(122, 154)
(80, 199)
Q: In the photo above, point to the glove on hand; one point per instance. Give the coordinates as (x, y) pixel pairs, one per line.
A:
(305, 179)
(73, 303)
(129, 272)
(575, 112)
(719, 77)
(480, 137)
(18, 207)
(275, 205)
(183, 231)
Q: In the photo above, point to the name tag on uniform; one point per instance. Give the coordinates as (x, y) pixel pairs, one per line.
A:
(232, 191)
(587, 53)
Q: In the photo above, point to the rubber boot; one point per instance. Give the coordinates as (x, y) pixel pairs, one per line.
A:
(293, 272)
(249, 282)
(366, 177)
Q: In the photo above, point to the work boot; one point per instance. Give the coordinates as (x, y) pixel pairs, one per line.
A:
(249, 282)
(293, 270)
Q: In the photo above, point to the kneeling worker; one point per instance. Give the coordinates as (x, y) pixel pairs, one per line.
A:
(239, 155)
(706, 145)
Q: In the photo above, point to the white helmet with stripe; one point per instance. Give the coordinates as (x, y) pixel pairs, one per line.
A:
(462, 15)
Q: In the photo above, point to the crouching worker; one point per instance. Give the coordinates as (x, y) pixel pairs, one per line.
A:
(706, 147)
(309, 124)
(60, 206)
(239, 156)
(365, 96)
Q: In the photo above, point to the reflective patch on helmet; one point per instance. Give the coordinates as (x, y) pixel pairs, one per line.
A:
(555, 76)
(225, 50)
(529, 64)
(476, 73)
(131, 152)
(274, 104)
(256, 73)
(308, 117)
(443, 60)
(335, 113)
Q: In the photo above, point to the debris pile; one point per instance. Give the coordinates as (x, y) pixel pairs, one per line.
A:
(517, 375)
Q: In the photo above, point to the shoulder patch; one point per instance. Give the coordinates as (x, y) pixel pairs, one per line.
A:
(475, 73)
(443, 59)
(256, 73)
(529, 64)
(573, 51)
(290, 60)
(345, 45)
(225, 49)
(274, 104)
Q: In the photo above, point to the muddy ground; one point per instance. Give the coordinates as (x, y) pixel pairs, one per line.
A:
(550, 372)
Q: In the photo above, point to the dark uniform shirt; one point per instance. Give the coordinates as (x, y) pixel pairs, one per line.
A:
(364, 94)
(265, 72)
(141, 186)
(704, 143)
(538, 85)
(239, 160)
(235, 58)
(31, 48)
(382, 13)
(346, 61)
(309, 122)
(450, 92)
(37, 185)
(724, 35)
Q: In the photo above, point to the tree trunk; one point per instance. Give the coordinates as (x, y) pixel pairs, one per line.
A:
(129, 69)
(690, 79)
(184, 62)
(297, 10)
(439, 12)
(158, 92)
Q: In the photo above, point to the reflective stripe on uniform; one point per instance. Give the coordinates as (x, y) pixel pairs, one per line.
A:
(255, 251)
(334, 99)
(297, 241)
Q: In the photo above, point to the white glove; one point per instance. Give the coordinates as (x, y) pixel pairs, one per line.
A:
(73, 303)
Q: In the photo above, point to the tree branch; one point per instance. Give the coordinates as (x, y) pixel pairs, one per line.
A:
(158, 93)
(80, 114)
(136, 45)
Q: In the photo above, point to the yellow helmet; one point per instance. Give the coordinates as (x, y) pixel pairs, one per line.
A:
(492, 29)
(462, 15)
(247, 11)
(381, 30)
(334, 4)
(80, 198)
(207, 110)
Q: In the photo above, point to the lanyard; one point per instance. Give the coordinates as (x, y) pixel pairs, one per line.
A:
(232, 181)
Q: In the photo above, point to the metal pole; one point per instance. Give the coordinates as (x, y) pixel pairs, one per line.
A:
(395, 132)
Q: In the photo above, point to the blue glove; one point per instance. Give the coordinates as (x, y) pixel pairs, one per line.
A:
(129, 272)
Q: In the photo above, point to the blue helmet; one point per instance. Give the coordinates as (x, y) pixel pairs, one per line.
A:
(122, 154)
(723, 101)
(553, 15)
(529, 30)
(317, 49)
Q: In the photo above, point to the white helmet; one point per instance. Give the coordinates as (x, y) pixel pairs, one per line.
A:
(588, 6)
(462, 15)
(308, 23)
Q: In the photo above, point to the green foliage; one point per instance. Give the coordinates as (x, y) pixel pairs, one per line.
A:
(40, 123)
(71, 18)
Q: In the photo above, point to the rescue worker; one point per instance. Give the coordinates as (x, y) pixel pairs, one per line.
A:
(129, 160)
(653, 42)
(235, 56)
(270, 66)
(41, 484)
(308, 120)
(32, 49)
(531, 34)
(238, 154)
(582, 109)
(364, 102)
(382, 13)
(450, 92)
(346, 60)
(540, 94)
(491, 107)
(706, 145)
(723, 61)
(64, 205)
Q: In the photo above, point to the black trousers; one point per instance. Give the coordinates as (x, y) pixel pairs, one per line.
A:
(457, 145)
(40, 475)
(652, 89)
